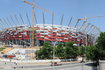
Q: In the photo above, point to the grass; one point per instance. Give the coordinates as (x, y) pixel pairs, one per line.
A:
(1, 49)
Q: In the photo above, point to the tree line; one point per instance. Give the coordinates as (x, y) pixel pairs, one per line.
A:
(66, 51)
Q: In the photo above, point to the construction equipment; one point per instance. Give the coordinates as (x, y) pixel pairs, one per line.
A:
(36, 6)
(86, 18)
(92, 27)
(33, 18)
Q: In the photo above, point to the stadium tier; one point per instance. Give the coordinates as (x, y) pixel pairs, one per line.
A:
(21, 35)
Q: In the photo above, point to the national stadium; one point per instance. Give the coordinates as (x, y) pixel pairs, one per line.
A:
(21, 35)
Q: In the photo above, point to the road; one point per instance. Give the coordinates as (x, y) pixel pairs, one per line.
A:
(66, 66)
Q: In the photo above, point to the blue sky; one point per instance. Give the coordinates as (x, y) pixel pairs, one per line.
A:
(75, 8)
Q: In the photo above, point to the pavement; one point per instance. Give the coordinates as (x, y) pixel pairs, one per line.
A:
(46, 66)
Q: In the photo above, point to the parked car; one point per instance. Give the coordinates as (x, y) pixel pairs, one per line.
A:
(10, 56)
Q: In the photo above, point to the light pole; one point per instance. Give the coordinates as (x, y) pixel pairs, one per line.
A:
(52, 40)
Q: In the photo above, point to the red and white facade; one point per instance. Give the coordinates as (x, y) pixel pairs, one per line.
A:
(46, 32)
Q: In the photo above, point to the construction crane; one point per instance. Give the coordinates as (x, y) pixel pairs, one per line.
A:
(85, 21)
(86, 18)
(33, 18)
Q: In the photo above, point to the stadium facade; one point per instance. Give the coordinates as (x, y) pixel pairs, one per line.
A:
(21, 35)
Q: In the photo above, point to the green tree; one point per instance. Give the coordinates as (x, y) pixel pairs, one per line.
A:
(93, 53)
(81, 50)
(71, 51)
(69, 44)
(63, 52)
(90, 54)
(46, 52)
(101, 41)
(60, 51)
(66, 52)
(101, 46)
(97, 52)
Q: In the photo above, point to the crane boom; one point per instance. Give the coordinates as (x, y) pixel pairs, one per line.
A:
(43, 9)
(28, 3)
(33, 18)
(86, 18)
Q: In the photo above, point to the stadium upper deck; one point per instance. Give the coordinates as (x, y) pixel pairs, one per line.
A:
(21, 35)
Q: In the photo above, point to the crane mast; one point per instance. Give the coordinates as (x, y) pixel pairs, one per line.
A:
(33, 21)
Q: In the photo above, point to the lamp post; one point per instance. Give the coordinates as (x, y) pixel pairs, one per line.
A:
(52, 40)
